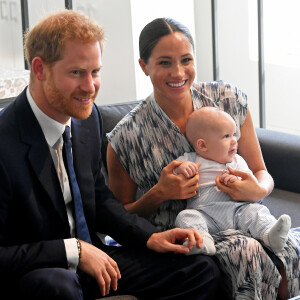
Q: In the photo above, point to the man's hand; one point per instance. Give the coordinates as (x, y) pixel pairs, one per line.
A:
(172, 240)
(100, 266)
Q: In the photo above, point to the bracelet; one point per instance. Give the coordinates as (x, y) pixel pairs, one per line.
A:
(79, 248)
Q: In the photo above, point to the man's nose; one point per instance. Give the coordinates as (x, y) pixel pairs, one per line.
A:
(88, 84)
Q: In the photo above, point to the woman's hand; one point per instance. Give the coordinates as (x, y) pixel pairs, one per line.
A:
(246, 189)
(169, 186)
(227, 177)
(172, 186)
(187, 168)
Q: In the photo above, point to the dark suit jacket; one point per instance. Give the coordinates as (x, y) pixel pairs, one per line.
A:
(33, 218)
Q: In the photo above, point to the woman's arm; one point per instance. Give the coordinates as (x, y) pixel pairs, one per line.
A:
(250, 188)
(169, 186)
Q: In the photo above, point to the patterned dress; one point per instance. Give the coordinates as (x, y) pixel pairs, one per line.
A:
(146, 140)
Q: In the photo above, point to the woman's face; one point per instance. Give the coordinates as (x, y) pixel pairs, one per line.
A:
(171, 68)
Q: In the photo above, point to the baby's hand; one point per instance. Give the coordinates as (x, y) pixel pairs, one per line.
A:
(227, 177)
(187, 168)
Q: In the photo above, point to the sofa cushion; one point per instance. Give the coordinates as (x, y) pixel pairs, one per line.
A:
(284, 202)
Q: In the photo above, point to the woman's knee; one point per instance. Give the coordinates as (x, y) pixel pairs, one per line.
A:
(52, 283)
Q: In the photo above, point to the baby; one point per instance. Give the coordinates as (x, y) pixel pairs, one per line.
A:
(212, 132)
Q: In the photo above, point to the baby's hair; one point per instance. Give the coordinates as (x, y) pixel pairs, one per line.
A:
(201, 122)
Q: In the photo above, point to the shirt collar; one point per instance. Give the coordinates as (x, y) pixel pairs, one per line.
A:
(52, 129)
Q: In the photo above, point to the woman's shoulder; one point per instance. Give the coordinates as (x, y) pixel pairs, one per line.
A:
(219, 91)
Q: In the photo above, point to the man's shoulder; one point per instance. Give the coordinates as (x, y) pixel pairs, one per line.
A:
(10, 113)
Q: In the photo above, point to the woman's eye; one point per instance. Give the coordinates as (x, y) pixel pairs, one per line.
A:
(164, 63)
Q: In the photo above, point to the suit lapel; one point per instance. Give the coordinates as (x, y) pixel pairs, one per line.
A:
(82, 166)
(39, 155)
(79, 144)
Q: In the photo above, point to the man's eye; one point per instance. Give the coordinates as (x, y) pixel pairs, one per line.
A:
(186, 60)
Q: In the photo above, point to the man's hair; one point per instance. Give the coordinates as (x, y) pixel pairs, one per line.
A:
(47, 38)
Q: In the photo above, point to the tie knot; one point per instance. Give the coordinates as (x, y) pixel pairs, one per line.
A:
(66, 134)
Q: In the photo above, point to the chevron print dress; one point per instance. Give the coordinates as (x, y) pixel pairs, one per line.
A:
(146, 140)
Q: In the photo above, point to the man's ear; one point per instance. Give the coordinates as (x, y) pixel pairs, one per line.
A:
(143, 66)
(201, 145)
(38, 68)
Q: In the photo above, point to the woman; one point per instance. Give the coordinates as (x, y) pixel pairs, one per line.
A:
(145, 143)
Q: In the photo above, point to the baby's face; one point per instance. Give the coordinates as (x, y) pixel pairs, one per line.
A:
(221, 143)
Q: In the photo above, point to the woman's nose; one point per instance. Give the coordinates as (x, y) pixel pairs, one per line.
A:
(177, 71)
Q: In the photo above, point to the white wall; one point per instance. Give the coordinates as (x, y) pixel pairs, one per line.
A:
(38, 8)
(203, 39)
(11, 42)
(118, 73)
(123, 20)
(236, 31)
(143, 12)
(122, 78)
(282, 64)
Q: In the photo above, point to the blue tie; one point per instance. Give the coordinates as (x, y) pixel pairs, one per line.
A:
(81, 226)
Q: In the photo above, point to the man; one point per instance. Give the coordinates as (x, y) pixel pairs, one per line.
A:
(43, 254)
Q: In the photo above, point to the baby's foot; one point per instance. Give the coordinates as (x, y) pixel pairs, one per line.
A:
(278, 234)
(208, 245)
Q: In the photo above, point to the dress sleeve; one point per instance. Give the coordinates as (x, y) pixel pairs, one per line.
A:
(233, 101)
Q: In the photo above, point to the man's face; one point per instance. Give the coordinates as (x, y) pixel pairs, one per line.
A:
(72, 83)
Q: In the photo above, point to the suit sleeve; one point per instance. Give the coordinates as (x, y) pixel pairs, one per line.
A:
(18, 258)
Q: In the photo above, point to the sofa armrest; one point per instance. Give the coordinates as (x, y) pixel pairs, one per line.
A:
(281, 152)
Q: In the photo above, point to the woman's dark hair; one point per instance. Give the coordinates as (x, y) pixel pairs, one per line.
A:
(155, 30)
